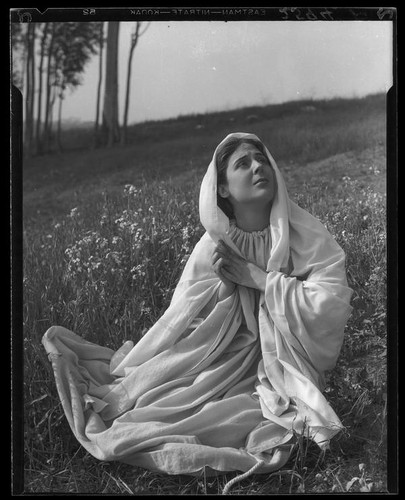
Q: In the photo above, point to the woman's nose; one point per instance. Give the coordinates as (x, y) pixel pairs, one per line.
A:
(256, 166)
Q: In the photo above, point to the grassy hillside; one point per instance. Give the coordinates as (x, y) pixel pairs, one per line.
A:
(108, 231)
(295, 132)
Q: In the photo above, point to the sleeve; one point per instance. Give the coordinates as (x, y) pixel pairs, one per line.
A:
(311, 314)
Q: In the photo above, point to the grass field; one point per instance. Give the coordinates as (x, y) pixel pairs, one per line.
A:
(106, 233)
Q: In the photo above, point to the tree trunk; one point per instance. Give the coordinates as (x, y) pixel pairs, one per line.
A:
(100, 79)
(29, 90)
(50, 118)
(45, 133)
(27, 87)
(59, 129)
(125, 121)
(32, 99)
(134, 40)
(40, 70)
(110, 110)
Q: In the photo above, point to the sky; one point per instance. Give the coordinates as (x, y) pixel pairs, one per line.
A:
(187, 67)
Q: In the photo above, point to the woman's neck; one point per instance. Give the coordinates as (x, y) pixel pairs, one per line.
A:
(250, 218)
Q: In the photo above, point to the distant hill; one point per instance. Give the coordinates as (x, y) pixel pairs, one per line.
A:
(304, 113)
(72, 123)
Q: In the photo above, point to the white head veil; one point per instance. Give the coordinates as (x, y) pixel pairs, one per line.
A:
(216, 222)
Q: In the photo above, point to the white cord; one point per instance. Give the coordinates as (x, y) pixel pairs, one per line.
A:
(236, 479)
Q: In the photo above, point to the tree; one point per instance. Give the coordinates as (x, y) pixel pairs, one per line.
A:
(69, 48)
(110, 108)
(48, 87)
(40, 71)
(100, 79)
(64, 50)
(134, 40)
(76, 48)
(30, 87)
(18, 53)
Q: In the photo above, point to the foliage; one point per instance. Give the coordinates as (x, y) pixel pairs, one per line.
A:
(74, 45)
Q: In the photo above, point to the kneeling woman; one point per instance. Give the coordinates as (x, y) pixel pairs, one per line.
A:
(235, 366)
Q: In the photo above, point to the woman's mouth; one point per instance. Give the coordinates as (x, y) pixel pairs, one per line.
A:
(262, 180)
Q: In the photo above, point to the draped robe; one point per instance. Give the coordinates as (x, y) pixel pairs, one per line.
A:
(218, 384)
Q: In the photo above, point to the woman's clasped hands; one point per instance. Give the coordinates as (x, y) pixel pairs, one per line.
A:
(232, 269)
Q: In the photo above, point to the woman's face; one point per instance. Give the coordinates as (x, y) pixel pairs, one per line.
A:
(250, 177)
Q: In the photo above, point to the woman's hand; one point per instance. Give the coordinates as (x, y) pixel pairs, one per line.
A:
(233, 269)
(228, 285)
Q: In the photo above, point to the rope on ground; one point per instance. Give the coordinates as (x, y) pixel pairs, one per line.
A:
(236, 479)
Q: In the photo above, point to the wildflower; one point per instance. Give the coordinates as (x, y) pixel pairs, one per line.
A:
(115, 257)
(57, 225)
(74, 212)
(184, 259)
(137, 271)
(130, 190)
(95, 265)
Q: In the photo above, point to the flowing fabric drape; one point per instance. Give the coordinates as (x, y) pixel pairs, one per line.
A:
(219, 384)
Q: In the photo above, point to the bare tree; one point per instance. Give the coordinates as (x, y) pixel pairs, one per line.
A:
(30, 87)
(52, 101)
(59, 128)
(32, 96)
(110, 108)
(100, 79)
(40, 71)
(48, 86)
(134, 40)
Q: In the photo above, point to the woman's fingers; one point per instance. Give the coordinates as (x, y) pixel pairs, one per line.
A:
(227, 275)
(227, 264)
(215, 257)
(218, 264)
(222, 273)
(221, 265)
(227, 252)
(219, 261)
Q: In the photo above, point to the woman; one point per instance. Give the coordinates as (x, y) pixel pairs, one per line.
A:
(235, 367)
